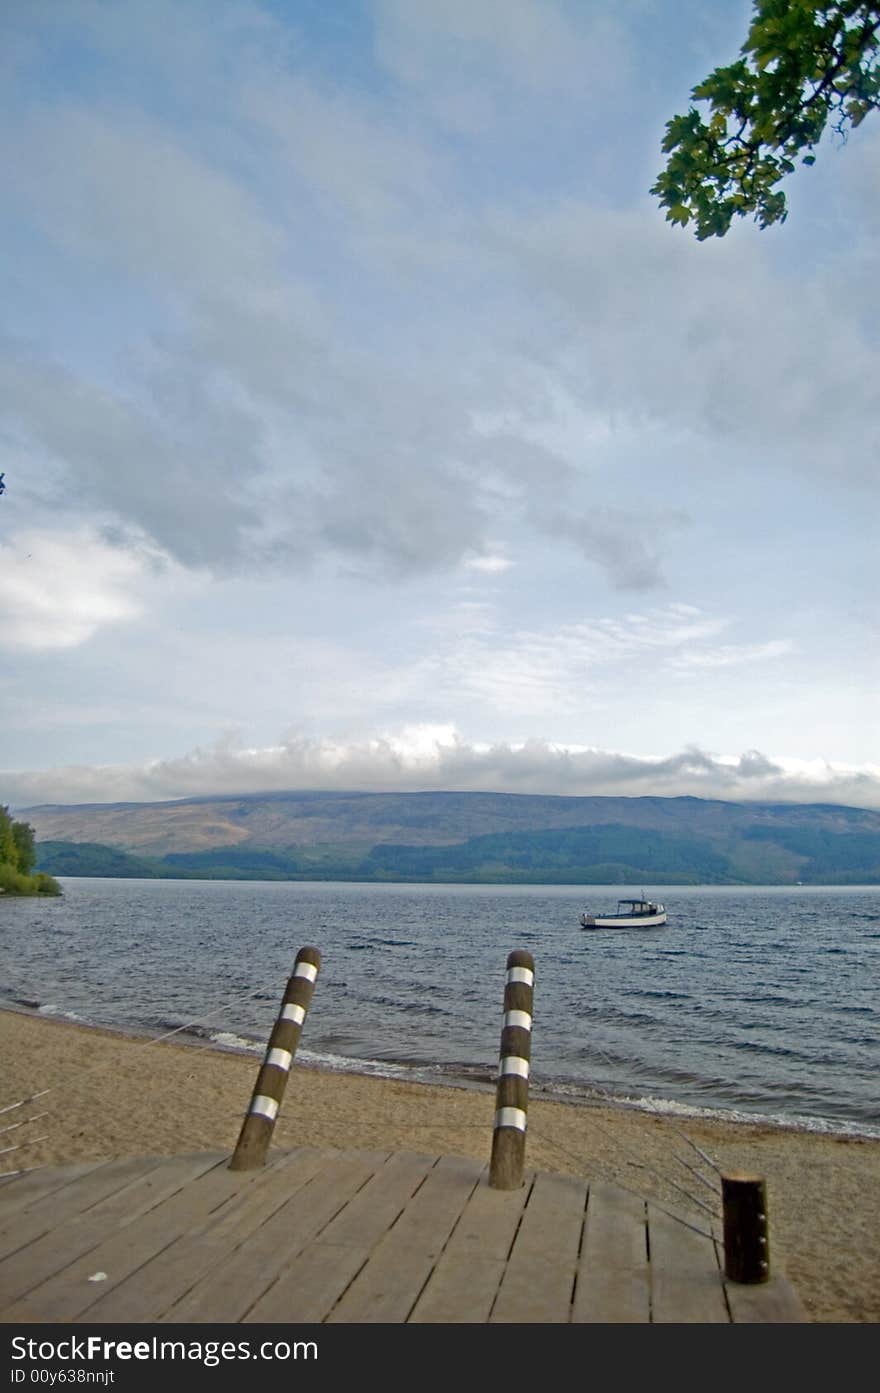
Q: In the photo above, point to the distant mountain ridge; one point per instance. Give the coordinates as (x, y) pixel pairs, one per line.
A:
(470, 837)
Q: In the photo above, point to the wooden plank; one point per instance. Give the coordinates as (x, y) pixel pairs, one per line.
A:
(538, 1289)
(384, 1289)
(387, 1285)
(464, 1284)
(613, 1281)
(490, 1220)
(461, 1290)
(378, 1206)
(615, 1233)
(774, 1302)
(224, 1265)
(20, 1229)
(45, 1238)
(354, 1236)
(436, 1205)
(308, 1290)
(169, 1269)
(553, 1218)
(169, 1209)
(228, 1293)
(539, 1279)
(310, 1287)
(49, 1257)
(19, 1192)
(686, 1285)
(617, 1296)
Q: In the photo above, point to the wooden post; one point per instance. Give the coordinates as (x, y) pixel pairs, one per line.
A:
(259, 1122)
(512, 1099)
(746, 1246)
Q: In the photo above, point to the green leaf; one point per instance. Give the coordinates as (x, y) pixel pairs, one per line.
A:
(802, 61)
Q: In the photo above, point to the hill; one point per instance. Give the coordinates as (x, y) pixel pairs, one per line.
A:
(471, 837)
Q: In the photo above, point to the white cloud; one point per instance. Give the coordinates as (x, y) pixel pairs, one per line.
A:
(438, 757)
(344, 150)
(648, 327)
(58, 589)
(535, 675)
(489, 565)
(734, 655)
(123, 192)
(177, 470)
(464, 55)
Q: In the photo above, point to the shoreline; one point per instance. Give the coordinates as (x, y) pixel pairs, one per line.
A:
(578, 885)
(112, 1094)
(419, 1074)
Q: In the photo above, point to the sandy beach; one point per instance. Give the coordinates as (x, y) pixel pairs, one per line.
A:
(113, 1095)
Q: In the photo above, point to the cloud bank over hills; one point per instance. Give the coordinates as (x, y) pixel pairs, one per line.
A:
(425, 758)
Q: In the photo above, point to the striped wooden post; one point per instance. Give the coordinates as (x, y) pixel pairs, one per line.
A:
(259, 1123)
(746, 1244)
(512, 1098)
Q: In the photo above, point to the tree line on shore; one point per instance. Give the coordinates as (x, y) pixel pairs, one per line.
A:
(18, 859)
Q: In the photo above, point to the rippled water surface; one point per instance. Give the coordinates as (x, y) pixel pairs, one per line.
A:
(757, 1001)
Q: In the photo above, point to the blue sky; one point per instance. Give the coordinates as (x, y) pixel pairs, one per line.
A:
(366, 426)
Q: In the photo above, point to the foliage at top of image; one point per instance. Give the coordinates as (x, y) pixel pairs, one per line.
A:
(18, 858)
(803, 64)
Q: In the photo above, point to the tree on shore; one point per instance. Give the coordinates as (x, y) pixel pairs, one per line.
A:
(18, 858)
(803, 63)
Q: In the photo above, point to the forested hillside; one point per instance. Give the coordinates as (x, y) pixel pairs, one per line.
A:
(467, 837)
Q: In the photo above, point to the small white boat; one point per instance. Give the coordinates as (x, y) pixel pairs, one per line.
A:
(631, 914)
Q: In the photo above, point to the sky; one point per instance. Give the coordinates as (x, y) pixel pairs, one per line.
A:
(366, 426)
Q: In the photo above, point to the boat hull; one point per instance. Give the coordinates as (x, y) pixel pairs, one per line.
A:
(623, 921)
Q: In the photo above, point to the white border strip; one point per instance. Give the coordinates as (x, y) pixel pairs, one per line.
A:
(282, 1059)
(266, 1107)
(307, 970)
(520, 1018)
(291, 1012)
(521, 974)
(511, 1117)
(514, 1064)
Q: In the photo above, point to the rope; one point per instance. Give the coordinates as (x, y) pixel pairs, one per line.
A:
(664, 1179)
(613, 1102)
(679, 1218)
(549, 1141)
(657, 1113)
(21, 1102)
(12, 1126)
(25, 1170)
(144, 1044)
(439, 1120)
(716, 1189)
(20, 1145)
(84, 1073)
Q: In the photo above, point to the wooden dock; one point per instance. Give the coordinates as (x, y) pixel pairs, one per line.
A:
(353, 1236)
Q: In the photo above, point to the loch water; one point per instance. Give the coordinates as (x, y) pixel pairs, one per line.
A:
(749, 1002)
